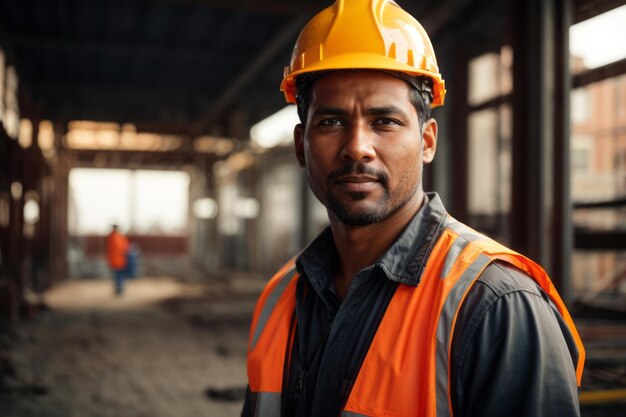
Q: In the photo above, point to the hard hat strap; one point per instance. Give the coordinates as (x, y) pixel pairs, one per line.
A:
(421, 83)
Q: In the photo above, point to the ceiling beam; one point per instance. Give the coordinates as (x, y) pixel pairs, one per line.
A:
(438, 19)
(282, 38)
(614, 69)
(164, 93)
(177, 119)
(105, 158)
(586, 9)
(275, 7)
(135, 49)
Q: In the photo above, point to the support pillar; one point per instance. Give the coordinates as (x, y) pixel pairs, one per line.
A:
(541, 213)
(562, 243)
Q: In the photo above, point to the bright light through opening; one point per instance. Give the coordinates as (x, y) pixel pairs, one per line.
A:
(277, 129)
(600, 40)
(31, 211)
(205, 208)
(142, 201)
(247, 208)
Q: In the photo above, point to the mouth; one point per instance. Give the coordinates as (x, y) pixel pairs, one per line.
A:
(357, 183)
(356, 179)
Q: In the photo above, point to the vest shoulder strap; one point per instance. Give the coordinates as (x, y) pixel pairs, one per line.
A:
(497, 251)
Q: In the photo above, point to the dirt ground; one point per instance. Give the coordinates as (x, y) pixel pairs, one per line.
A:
(155, 351)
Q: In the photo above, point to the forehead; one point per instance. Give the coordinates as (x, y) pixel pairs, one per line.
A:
(367, 86)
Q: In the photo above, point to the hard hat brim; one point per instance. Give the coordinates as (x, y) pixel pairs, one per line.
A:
(365, 61)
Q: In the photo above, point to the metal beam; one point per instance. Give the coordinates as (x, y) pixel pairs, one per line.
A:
(119, 115)
(275, 7)
(66, 101)
(562, 231)
(439, 19)
(282, 38)
(163, 93)
(602, 240)
(458, 147)
(586, 9)
(533, 87)
(134, 49)
(594, 75)
(124, 159)
(616, 203)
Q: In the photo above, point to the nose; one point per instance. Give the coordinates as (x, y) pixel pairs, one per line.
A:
(357, 145)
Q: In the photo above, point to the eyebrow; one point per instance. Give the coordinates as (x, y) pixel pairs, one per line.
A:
(374, 111)
(329, 111)
(385, 110)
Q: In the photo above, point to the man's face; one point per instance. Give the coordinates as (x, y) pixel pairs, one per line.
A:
(362, 147)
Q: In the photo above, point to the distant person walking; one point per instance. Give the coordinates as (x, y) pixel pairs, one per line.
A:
(117, 249)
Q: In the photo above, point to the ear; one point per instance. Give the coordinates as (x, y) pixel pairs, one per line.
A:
(298, 137)
(429, 141)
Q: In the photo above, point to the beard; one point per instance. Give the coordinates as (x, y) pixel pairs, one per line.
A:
(350, 212)
(358, 217)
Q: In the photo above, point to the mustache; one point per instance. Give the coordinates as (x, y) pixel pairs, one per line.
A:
(357, 168)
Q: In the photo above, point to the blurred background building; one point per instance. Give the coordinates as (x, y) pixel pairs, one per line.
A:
(165, 117)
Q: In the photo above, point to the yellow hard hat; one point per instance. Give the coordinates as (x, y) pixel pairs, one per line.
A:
(364, 34)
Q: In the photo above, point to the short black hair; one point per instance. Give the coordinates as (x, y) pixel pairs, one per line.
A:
(420, 98)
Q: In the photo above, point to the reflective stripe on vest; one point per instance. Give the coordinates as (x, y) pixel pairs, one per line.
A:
(269, 305)
(267, 404)
(351, 414)
(269, 336)
(406, 371)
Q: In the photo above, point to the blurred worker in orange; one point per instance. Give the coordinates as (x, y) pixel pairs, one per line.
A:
(117, 250)
(396, 309)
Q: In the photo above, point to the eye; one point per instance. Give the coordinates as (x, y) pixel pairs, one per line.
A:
(385, 121)
(330, 122)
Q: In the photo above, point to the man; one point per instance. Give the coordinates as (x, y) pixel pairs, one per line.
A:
(117, 250)
(396, 309)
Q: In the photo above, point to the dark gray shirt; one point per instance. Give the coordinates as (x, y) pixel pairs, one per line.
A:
(512, 354)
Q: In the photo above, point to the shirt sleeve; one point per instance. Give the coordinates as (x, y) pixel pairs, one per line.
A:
(512, 355)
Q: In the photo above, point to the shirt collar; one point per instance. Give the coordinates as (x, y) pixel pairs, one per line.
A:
(403, 262)
(406, 259)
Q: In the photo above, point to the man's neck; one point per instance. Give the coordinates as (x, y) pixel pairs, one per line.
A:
(361, 246)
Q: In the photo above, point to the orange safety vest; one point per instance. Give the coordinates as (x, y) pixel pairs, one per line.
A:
(117, 248)
(406, 371)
